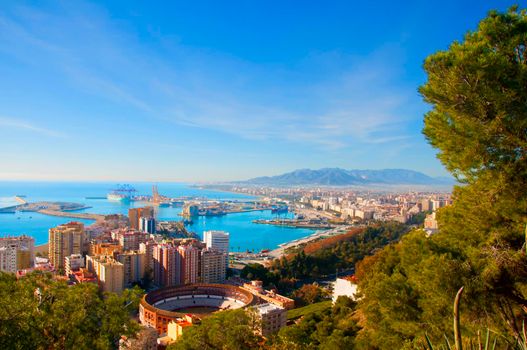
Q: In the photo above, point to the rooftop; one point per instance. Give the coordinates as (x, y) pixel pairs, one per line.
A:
(268, 307)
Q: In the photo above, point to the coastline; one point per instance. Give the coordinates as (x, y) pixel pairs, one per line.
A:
(244, 233)
(213, 188)
(278, 252)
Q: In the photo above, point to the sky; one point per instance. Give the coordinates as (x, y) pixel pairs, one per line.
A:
(199, 91)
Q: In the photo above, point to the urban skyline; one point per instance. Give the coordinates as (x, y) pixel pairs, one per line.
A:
(206, 92)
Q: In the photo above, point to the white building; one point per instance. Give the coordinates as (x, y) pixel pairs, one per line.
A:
(147, 225)
(19, 251)
(8, 260)
(430, 224)
(270, 318)
(73, 263)
(345, 286)
(219, 241)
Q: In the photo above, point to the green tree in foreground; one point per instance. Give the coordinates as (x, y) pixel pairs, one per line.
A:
(331, 329)
(309, 294)
(478, 91)
(231, 329)
(38, 312)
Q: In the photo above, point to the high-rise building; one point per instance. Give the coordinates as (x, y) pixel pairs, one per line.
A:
(189, 263)
(166, 265)
(135, 215)
(65, 240)
(73, 263)
(133, 266)
(147, 225)
(104, 248)
(129, 239)
(13, 258)
(218, 240)
(148, 249)
(110, 273)
(16, 253)
(212, 266)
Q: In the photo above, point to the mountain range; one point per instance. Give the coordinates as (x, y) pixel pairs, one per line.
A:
(343, 177)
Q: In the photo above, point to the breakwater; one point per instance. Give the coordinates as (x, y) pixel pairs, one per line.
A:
(69, 214)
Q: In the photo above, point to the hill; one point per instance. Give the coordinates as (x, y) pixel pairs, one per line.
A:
(343, 177)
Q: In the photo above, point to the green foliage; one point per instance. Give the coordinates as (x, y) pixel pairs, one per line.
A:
(478, 91)
(489, 343)
(63, 317)
(332, 328)
(418, 219)
(258, 272)
(308, 309)
(231, 329)
(342, 256)
(309, 294)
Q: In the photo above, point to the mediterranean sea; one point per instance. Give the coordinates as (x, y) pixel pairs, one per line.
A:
(244, 234)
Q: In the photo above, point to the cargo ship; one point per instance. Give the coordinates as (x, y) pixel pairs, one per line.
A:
(122, 193)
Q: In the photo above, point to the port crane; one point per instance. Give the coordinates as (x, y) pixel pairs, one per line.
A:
(124, 189)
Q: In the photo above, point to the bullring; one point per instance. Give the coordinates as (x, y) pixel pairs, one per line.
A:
(161, 306)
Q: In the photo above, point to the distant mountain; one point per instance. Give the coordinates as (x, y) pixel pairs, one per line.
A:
(343, 177)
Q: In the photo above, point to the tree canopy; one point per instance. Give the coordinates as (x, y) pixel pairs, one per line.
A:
(39, 312)
(478, 123)
(477, 89)
(231, 329)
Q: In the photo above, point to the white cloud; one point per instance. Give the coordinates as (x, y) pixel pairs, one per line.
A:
(338, 100)
(24, 125)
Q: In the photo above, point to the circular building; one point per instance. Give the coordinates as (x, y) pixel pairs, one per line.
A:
(161, 306)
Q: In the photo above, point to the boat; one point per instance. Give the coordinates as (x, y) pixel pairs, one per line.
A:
(279, 210)
(122, 193)
(117, 197)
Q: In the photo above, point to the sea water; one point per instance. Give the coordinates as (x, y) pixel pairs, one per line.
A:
(244, 234)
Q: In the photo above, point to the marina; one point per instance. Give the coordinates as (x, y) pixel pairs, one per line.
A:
(245, 234)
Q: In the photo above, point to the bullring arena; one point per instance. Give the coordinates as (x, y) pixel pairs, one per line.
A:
(161, 306)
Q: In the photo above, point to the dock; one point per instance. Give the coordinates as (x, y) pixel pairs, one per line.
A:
(65, 214)
(20, 200)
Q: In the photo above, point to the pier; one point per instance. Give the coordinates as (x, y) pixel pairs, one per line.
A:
(20, 200)
(66, 214)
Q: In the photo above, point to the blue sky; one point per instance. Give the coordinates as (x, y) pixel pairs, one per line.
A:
(207, 91)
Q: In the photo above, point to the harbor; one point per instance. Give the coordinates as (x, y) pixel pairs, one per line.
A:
(94, 204)
(313, 224)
